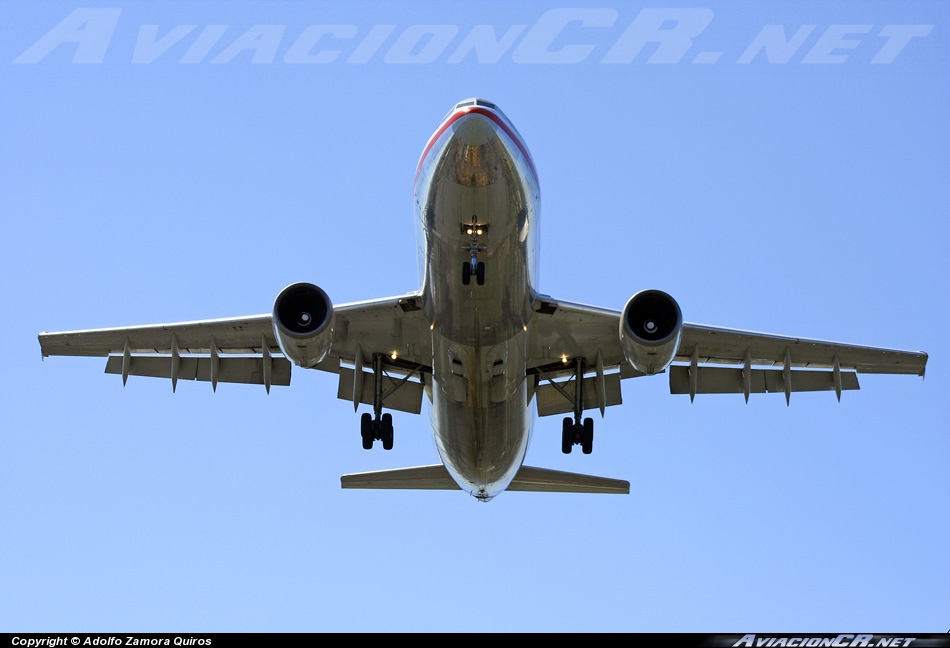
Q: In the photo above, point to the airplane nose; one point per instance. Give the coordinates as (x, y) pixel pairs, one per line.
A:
(474, 130)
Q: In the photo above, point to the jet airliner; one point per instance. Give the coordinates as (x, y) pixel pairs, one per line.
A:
(478, 340)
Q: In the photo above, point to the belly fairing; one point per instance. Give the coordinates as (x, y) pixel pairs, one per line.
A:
(479, 412)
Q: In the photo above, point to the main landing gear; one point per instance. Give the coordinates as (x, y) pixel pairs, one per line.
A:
(377, 430)
(474, 267)
(377, 426)
(573, 431)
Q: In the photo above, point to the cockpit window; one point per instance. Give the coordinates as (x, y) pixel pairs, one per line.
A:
(471, 102)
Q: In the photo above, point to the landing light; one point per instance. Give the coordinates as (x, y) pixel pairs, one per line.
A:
(564, 358)
(468, 231)
(393, 355)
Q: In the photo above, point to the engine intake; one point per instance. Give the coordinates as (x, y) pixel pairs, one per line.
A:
(303, 323)
(650, 330)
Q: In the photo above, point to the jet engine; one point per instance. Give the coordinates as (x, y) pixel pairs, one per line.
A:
(303, 323)
(650, 330)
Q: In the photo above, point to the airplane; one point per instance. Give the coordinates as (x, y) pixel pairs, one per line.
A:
(477, 340)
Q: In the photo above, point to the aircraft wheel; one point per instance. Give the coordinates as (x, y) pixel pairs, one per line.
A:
(466, 273)
(366, 430)
(567, 435)
(386, 431)
(587, 439)
(480, 273)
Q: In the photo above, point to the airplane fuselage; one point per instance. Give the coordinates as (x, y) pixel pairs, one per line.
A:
(476, 200)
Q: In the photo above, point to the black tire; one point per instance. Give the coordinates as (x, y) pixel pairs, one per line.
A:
(587, 439)
(480, 273)
(567, 436)
(366, 430)
(386, 431)
(466, 273)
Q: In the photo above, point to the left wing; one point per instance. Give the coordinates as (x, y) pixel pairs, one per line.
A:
(564, 331)
(245, 349)
(805, 365)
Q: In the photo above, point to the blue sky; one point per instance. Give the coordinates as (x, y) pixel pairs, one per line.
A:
(798, 190)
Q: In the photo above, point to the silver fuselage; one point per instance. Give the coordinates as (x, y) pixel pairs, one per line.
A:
(476, 172)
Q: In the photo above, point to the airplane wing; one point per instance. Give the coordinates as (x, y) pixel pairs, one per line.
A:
(245, 350)
(762, 362)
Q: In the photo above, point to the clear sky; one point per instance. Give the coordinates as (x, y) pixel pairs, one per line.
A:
(778, 167)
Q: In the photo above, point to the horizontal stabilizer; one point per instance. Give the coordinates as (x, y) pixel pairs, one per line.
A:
(436, 477)
(544, 480)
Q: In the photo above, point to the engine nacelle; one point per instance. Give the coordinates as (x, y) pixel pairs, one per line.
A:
(650, 330)
(303, 323)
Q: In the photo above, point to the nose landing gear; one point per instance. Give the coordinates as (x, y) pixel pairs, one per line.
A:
(474, 266)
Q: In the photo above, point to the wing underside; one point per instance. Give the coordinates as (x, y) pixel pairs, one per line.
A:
(246, 350)
(761, 362)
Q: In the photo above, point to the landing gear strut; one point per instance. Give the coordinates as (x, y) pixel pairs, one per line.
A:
(573, 431)
(377, 426)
